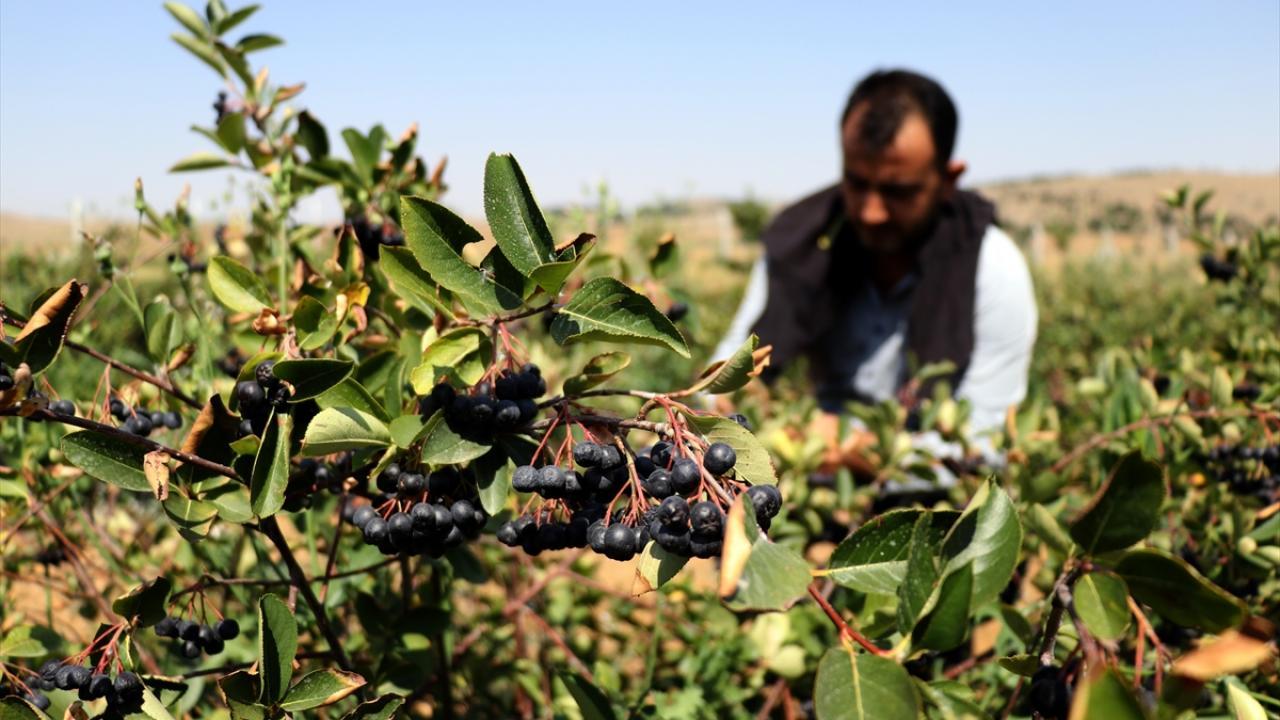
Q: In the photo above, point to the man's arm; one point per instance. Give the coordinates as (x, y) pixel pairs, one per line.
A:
(1005, 320)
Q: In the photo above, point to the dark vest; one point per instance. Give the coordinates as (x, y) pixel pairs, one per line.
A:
(810, 273)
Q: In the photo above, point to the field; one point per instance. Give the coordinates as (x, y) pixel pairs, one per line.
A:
(430, 466)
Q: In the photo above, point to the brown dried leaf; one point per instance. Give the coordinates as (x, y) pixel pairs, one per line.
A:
(155, 465)
(1231, 653)
(55, 309)
(268, 323)
(21, 385)
(736, 550)
(181, 356)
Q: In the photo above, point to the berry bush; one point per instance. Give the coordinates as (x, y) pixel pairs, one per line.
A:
(395, 469)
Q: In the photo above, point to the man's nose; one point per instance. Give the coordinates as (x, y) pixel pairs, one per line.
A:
(873, 211)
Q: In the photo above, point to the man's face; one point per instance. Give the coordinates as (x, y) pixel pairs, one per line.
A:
(892, 195)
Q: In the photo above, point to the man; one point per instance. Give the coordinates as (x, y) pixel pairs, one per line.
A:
(894, 265)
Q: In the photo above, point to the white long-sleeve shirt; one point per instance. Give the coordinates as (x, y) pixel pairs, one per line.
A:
(869, 345)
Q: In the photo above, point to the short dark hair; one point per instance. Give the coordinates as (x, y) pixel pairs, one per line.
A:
(892, 95)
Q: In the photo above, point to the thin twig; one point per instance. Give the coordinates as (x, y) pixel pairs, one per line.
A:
(271, 529)
(844, 628)
(47, 414)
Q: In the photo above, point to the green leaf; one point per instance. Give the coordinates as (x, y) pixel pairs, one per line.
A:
(164, 329)
(383, 707)
(240, 66)
(921, 572)
(1124, 510)
(145, 602)
(945, 618)
(240, 691)
(314, 323)
(863, 687)
(231, 132)
(253, 43)
(655, 568)
(189, 18)
(754, 464)
(874, 558)
(606, 310)
(593, 703)
(462, 353)
(229, 497)
(1242, 704)
(194, 518)
(123, 287)
(235, 287)
(319, 688)
(1044, 526)
(514, 218)
(551, 276)
(665, 256)
(311, 377)
(437, 236)
(312, 135)
(755, 572)
(229, 22)
(411, 282)
(40, 341)
(351, 394)
(200, 161)
(493, 479)
(732, 374)
(988, 535)
(442, 446)
(271, 467)
(1177, 592)
(15, 708)
(1101, 602)
(1025, 665)
(364, 153)
(29, 641)
(338, 429)
(1105, 695)
(405, 429)
(107, 458)
(1220, 387)
(597, 370)
(277, 644)
(953, 699)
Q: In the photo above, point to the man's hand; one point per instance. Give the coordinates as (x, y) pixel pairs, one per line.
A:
(852, 453)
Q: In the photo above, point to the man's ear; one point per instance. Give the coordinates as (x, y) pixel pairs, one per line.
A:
(951, 176)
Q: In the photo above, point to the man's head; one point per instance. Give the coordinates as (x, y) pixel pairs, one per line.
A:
(897, 134)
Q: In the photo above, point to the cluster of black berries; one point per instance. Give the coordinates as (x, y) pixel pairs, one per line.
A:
(682, 528)
(373, 235)
(6, 378)
(1050, 695)
(140, 421)
(1247, 470)
(193, 637)
(314, 477)
(258, 397)
(1217, 270)
(123, 694)
(420, 514)
(31, 695)
(1246, 391)
(232, 362)
(51, 555)
(504, 405)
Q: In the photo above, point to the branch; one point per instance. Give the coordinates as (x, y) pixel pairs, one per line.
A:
(653, 427)
(845, 631)
(146, 377)
(47, 414)
(208, 581)
(500, 319)
(271, 529)
(1055, 615)
(1143, 424)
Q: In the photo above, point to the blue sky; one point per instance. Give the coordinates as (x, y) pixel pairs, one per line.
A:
(659, 99)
